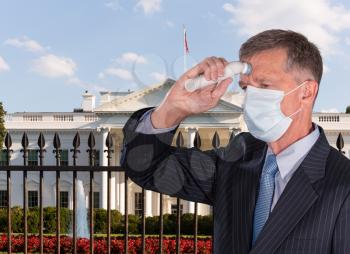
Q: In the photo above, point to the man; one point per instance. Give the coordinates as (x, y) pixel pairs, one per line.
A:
(280, 188)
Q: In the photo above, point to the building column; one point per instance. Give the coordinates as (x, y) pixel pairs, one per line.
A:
(104, 162)
(117, 177)
(191, 135)
(122, 192)
(148, 204)
(117, 190)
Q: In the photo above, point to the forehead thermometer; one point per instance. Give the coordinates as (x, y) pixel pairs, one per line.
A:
(230, 70)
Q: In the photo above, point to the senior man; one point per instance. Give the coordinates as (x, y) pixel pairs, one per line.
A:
(279, 188)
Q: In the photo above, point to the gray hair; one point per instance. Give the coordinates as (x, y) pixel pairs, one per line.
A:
(301, 53)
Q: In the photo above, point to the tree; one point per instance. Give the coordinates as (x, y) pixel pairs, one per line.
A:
(347, 109)
(2, 124)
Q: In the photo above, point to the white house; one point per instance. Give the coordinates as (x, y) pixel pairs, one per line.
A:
(110, 115)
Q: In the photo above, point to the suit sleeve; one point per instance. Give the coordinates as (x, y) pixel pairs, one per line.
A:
(341, 238)
(151, 162)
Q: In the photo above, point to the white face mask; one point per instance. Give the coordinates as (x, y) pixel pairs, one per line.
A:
(263, 115)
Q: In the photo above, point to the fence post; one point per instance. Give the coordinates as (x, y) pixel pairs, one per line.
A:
(179, 143)
(41, 144)
(109, 151)
(8, 144)
(25, 144)
(91, 151)
(75, 150)
(57, 151)
(197, 143)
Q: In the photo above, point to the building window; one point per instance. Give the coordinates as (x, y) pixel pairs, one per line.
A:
(63, 118)
(3, 159)
(3, 198)
(138, 203)
(174, 209)
(329, 118)
(33, 199)
(97, 158)
(32, 158)
(64, 201)
(96, 199)
(64, 161)
(32, 118)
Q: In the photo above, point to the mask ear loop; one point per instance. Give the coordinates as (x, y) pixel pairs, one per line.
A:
(291, 91)
(296, 112)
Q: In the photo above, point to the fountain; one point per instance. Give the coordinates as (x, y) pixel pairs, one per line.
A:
(81, 212)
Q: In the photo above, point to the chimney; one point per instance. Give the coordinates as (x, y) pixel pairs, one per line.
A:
(88, 103)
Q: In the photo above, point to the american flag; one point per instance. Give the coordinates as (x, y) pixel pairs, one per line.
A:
(187, 51)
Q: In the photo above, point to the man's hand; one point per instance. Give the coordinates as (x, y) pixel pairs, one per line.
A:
(180, 103)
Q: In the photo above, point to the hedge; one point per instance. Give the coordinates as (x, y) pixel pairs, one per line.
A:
(100, 222)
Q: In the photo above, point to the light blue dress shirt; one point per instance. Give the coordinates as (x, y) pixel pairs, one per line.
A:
(288, 160)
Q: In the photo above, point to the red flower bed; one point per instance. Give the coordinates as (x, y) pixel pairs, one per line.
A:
(100, 244)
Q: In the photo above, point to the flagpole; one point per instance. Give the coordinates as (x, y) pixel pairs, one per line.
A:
(185, 52)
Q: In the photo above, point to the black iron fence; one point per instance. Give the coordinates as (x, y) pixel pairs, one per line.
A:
(92, 169)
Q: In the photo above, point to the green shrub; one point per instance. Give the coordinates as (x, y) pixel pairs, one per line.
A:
(187, 220)
(100, 222)
(33, 220)
(152, 225)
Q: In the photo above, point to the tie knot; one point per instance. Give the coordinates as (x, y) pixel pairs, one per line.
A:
(271, 166)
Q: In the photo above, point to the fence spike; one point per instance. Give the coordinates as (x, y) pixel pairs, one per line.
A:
(41, 141)
(25, 141)
(76, 141)
(197, 140)
(109, 140)
(179, 140)
(91, 140)
(216, 140)
(340, 142)
(232, 136)
(56, 141)
(8, 141)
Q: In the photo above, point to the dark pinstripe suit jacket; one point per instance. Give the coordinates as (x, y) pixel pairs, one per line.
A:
(311, 216)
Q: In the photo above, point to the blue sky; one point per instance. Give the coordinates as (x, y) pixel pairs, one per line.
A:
(52, 51)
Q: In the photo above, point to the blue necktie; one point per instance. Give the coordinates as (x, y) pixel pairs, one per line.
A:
(266, 191)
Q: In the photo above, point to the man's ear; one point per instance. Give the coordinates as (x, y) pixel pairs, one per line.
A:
(310, 91)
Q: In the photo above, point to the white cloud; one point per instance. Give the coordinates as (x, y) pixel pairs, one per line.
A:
(321, 21)
(160, 77)
(118, 72)
(25, 43)
(330, 110)
(131, 57)
(3, 65)
(113, 4)
(87, 86)
(53, 66)
(101, 75)
(347, 41)
(169, 24)
(149, 6)
(325, 69)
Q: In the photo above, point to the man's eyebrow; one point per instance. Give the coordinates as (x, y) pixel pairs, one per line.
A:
(263, 80)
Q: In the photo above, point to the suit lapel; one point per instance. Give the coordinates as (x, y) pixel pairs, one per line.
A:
(297, 198)
(245, 184)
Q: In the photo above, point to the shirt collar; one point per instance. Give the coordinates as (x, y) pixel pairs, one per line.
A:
(290, 158)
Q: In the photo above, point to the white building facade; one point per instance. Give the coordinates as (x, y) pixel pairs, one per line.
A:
(110, 116)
